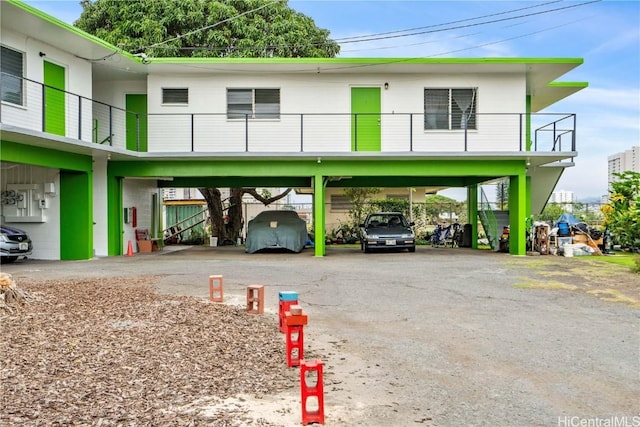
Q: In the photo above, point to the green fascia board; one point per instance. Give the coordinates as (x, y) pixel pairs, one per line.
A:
(236, 181)
(75, 30)
(305, 168)
(576, 85)
(44, 157)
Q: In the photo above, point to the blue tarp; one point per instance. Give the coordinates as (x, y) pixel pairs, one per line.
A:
(568, 218)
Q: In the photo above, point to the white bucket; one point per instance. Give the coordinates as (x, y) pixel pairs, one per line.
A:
(568, 250)
(213, 241)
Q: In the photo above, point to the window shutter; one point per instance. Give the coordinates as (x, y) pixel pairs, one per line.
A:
(239, 103)
(175, 96)
(267, 103)
(11, 65)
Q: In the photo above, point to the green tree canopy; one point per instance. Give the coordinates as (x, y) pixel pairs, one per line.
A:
(622, 214)
(206, 28)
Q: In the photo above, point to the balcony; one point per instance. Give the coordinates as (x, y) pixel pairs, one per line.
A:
(46, 109)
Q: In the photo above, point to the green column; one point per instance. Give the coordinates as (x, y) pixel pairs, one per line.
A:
(115, 214)
(517, 214)
(472, 213)
(318, 215)
(76, 215)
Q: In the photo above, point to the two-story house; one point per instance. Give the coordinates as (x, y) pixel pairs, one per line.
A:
(88, 130)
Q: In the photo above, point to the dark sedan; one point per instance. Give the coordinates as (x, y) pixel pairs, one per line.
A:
(387, 230)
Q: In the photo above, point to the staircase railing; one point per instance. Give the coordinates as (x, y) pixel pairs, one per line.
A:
(179, 228)
(489, 221)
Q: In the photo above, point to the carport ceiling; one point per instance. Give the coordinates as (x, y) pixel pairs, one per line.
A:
(439, 182)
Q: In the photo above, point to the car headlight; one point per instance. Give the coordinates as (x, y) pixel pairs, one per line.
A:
(371, 236)
(3, 237)
(407, 236)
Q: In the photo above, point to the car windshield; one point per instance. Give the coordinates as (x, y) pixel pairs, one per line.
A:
(387, 220)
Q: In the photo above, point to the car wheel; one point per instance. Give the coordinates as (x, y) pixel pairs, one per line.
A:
(9, 259)
(366, 249)
(413, 249)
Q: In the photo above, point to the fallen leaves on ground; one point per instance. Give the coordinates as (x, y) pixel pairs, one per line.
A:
(113, 352)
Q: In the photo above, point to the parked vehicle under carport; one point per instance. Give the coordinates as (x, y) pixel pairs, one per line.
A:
(276, 230)
(387, 230)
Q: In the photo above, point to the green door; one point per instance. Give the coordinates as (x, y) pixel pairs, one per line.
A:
(54, 99)
(136, 106)
(365, 119)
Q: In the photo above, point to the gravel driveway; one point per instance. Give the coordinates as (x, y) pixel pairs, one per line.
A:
(440, 337)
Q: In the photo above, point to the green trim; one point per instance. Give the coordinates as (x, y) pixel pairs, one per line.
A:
(370, 167)
(319, 218)
(581, 85)
(115, 214)
(136, 125)
(517, 213)
(76, 215)
(366, 133)
(472, 213)
(44, 157)
(54, 95)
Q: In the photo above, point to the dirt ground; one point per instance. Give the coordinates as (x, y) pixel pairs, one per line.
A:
(442, 337)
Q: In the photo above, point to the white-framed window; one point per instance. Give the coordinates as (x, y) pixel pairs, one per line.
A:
(12, 72)
(175, 95)
(253, 103)
(450, 109)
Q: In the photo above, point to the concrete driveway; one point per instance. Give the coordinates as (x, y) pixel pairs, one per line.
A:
(440, 337)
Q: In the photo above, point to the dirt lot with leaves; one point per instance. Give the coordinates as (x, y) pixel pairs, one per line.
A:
(440, 337)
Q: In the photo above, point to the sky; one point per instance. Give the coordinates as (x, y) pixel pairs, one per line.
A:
(606, 34)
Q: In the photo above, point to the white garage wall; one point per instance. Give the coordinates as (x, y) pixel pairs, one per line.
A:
(137, 193)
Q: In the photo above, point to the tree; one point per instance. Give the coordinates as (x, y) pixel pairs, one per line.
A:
(358, 198)
(435, 205)
(622, 214)
(206, 28)
(209, 28)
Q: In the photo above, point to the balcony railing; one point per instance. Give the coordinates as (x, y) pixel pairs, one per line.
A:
(44, 108)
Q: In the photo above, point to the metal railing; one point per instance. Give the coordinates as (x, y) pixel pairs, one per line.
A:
(92, 121)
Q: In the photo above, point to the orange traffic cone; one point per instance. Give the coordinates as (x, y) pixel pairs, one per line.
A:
(130, 249)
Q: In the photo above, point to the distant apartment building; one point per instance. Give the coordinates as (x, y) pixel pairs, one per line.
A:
(628, 160)
(563, 197)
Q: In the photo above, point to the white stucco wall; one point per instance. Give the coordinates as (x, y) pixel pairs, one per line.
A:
(78, 83)
(43, 227)
(170, 126)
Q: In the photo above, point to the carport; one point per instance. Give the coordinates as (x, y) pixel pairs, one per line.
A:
(319, 171)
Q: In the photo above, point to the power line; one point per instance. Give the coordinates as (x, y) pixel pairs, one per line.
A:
(470, 25)
(386, 36)
(450, 22)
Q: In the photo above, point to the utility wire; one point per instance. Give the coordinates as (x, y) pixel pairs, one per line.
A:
(450, 22)
(386, 36)
(470, 25)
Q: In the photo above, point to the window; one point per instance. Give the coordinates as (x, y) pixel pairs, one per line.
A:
(253, 103)
(449, 109)
(11, 65)
(340, 203)
(175, 96)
